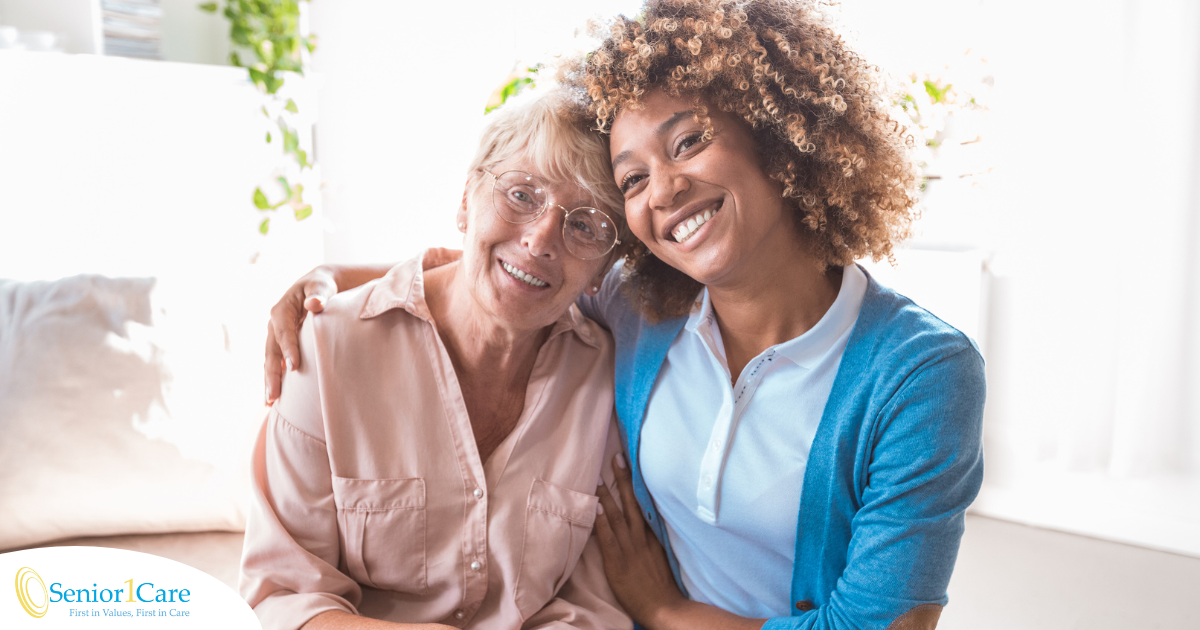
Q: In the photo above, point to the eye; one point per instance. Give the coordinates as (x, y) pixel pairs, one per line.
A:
(689, 141)
(630, 180)
(582, 229)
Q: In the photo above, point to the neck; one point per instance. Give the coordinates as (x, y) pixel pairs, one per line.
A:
(481, 348)
(765, 309)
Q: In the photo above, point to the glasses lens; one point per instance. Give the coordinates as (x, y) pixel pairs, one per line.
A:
(519, 197)
(589, 233)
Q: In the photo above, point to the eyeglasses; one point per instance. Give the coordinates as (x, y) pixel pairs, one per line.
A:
(519, 198)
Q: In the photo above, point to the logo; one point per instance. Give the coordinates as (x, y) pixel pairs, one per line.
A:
(29, 583)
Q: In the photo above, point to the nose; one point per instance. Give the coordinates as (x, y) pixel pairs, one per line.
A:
(666, 184)
(543, 237)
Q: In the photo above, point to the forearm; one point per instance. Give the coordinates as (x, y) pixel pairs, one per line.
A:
(350, 276)
(342, 620)
(689, 615)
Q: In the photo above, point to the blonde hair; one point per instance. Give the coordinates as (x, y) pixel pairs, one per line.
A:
(551, 130)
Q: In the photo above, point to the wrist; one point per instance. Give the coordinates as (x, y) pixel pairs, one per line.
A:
(668, 614)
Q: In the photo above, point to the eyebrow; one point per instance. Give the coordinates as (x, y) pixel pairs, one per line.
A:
(663, 128)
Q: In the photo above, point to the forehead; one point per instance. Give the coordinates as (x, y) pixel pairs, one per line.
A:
(654, 109)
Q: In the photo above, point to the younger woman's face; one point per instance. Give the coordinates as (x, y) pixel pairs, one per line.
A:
(705, 207)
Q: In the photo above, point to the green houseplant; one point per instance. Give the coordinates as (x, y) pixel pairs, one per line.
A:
(268, 42)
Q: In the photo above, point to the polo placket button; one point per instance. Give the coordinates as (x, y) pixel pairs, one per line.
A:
(476, 565)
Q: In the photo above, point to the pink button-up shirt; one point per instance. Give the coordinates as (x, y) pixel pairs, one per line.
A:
(370, 496)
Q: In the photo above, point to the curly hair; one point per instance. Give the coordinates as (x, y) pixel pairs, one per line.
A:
(819, 113)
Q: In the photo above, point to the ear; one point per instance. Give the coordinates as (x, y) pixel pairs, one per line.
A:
(460, 218)
(595, 283)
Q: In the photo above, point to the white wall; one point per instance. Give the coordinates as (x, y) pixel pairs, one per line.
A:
(403, 87)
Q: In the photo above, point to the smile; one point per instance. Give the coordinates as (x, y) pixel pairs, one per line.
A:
(529, 279)
(686, 229)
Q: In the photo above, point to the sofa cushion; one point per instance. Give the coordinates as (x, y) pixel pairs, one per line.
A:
(122, 411)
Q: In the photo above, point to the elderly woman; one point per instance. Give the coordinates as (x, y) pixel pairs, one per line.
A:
(434, 458)
(802, 442)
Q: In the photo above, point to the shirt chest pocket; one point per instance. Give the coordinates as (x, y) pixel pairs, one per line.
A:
(558, 522)
(382, 526)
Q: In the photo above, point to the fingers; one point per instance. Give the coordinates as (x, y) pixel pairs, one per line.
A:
(286, 317)
(614, 518)
(317, 293)
(272, 367)
(633, 515)
(610, 549)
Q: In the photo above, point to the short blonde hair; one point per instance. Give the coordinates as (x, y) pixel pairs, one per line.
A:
(550, 128)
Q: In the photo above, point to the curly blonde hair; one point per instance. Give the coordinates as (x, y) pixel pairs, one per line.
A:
(819, 113)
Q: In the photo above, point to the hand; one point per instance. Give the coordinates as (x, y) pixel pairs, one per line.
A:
(309, 293)
(634, 561)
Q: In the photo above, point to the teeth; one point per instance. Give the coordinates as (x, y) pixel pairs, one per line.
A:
(685, 230)
(524, 277)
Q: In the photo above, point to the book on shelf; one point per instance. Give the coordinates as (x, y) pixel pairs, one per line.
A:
(132, 28)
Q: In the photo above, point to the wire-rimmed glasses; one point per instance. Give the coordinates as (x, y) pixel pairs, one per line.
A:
(519, 197)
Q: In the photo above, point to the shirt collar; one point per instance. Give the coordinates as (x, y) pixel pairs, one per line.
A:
(403, 286)
(809, 347)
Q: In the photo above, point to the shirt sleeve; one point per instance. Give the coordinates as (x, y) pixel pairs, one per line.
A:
(925, 469)
(289, 563)
(586, 601)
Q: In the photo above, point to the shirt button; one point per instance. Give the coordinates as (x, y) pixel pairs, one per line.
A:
(476, 565)
(708, 482)
(804, 605)
(478, 493)
(716, 445)
(459, 614)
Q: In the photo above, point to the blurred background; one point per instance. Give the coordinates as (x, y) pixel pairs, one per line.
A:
(150, 213)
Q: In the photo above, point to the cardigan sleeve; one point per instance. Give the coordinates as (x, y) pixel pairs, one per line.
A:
(925, 468)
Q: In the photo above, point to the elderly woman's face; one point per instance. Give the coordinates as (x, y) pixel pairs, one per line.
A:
(703, 206)
(523, 273)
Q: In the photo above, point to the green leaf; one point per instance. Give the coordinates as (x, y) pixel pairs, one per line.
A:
(303, 212)
(268, 137)
(937, 94)
(210, 7)
(291, 141)
(264, 226)
(260, 200)
(302, 158)
(291, 106)
(287, 188)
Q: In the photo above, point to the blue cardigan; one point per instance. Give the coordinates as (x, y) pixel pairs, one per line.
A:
(896, 460)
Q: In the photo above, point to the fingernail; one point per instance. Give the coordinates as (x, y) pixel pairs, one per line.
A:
(599, 509)
(600, 481)
(288, 361)
(620, 460)
(267, 396)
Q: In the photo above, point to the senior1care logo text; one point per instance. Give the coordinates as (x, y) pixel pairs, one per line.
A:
(93, 587)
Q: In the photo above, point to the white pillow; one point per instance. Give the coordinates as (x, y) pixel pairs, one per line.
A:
(122, 410)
